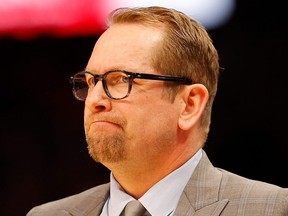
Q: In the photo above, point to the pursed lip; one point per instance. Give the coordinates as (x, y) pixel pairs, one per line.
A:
(104, 125)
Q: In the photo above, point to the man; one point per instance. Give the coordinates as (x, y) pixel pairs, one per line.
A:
(148, 88)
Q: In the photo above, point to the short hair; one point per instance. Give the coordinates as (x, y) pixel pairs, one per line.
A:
(187, 49)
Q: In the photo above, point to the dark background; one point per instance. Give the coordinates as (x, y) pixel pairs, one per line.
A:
(43, 153)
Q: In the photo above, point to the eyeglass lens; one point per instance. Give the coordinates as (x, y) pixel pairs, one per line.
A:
(116, 84)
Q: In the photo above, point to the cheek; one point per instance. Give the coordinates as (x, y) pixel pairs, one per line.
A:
(151, 118)
(152, 134)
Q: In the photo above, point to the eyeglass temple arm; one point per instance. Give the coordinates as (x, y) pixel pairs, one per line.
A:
(162, 77)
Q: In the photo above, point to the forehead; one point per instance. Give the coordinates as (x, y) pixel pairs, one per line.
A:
(130, 45)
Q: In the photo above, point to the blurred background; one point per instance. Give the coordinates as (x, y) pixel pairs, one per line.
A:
(43, 154)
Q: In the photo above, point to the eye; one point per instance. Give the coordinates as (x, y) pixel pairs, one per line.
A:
(117, 78)
(124, 79)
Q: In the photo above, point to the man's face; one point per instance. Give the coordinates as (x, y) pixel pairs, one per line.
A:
(142, 126)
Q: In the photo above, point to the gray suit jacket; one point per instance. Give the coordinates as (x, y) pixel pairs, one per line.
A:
(209, 192)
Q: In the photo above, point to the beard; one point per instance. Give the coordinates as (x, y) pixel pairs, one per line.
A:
(105, 148)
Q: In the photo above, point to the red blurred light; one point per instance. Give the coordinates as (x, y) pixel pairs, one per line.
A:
(30, 18)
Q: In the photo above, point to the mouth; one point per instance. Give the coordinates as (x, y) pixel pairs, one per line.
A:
(104, 125)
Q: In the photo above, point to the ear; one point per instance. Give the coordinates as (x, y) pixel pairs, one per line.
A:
(194, 98)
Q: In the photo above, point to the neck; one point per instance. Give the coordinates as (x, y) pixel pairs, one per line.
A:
(138, 176)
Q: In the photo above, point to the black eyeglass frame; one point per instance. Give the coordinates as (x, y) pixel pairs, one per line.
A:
(131, 76)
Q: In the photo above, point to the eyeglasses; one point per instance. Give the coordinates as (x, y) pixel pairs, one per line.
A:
(117, 84)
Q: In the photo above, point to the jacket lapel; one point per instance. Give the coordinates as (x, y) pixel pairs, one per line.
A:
(92, 204)
(200, 196)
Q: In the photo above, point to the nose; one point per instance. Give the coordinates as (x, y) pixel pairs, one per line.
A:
(97, 100)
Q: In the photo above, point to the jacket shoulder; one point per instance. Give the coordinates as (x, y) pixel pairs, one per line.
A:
(251, 196)
(92, 198)
(241, 185)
